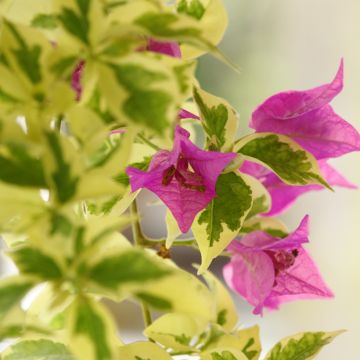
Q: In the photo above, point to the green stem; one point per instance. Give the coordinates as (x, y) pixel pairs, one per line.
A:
(157, 242)
(58, 122)
(146, 315)
(139, 241)
(148, 142)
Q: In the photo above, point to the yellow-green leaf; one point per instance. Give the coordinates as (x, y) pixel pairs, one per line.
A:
(223, 353)
(221, 221)
(226, 311)
(270, 225)
(23, 205)
(293, 164)
(302, 346)
(142, 351)
(128, 269)
(12, 290)
(246, 340)
(172, 228)
(213, 21)
(91, 331)
(38, 350)
(176, 330)
(261, 198)
(142, 90)
(34, 262)
(219, 119)
(170, 289)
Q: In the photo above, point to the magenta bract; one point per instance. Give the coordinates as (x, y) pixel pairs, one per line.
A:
(183, 178)
(76, 79)
(307, 117)
(184, 114)
(167, 48)
(268, 271)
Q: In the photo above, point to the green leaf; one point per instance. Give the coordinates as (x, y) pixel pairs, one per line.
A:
(65, 182)
(130, 267)
(64, 67)
(226, 311)
(92, 332)
(221, 221)
(198, 301)
(293, 164)
(232, 201)
(303, 346)
(76, 24)
(13, 331)
(220, 120)
(164, 25)
(223, 353)
(155, 301)
(172, 229)
(213, 23)
(123, 178)
(23, 205)
(272, 226)
(175, 330)
(12, 290)
(44, 21)
(192, 8)
(20, 168)
(261, 198)
(184, 74)
(7, 98)
(27, 57)
(38, 350)
(144, 105)
(246, 340)
(33, 261)
(143, 351)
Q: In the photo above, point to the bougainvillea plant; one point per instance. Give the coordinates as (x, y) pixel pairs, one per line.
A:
(98, 101)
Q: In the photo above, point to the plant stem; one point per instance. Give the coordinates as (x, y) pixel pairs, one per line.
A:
(148, 142)
(157, 242)
(146, 315)
(139, 241)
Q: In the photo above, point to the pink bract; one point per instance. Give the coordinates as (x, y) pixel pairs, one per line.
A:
(307, 117)
(167, 48)
(184, 114)
(76, 79)
(268, 271)
(183, 178)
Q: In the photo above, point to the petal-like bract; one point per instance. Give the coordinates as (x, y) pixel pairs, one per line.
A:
(183, 178)
(184, 114)
(268, 271)
(307, 117)
(167, 48)
(76, 79)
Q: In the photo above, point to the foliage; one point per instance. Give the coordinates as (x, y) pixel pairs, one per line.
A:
(93, 99)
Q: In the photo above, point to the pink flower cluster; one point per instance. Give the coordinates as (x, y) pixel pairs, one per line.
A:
(264, 269)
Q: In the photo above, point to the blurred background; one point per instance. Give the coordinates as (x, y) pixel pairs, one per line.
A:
(282, 45)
